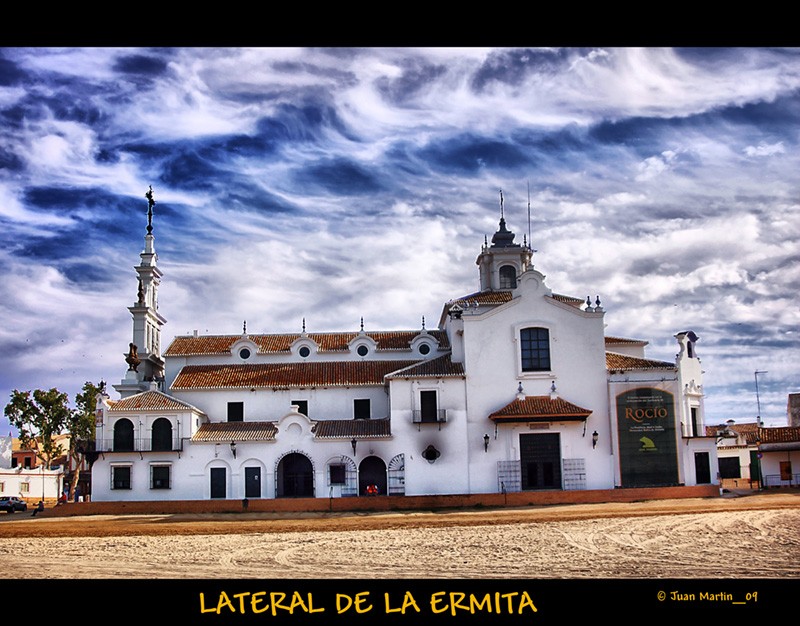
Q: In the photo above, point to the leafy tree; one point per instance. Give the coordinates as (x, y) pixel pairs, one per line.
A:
(39, 417)
(81, 428)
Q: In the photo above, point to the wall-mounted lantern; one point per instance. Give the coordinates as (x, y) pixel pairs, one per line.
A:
(595, 437)
(486, 443)
(430, 454)
(353, 443)
(233, 449)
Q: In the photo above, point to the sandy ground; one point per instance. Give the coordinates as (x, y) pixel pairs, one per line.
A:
(755, 535)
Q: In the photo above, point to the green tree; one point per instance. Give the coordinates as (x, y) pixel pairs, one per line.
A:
(39, 417)
(81, 428)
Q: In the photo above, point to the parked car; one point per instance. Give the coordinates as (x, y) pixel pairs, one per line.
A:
(9, 504)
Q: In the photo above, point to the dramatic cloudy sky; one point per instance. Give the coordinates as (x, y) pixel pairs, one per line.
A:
(336, 184)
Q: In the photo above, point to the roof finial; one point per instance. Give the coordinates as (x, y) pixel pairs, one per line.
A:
(150, 202)
(423, 322)
(304, 325)
(362, 324)
(244, 327)
(502, 214)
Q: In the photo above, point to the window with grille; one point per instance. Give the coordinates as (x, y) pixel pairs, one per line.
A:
(121, 477)
(535, 349)
(159, 477)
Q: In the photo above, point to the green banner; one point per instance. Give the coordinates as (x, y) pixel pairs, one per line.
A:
(647, 445)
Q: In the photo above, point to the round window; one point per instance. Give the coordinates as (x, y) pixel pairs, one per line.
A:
(424, 348)
(304, 351)
(244, 353)
(362, 350)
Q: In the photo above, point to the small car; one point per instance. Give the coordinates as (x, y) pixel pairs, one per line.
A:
(10, 504)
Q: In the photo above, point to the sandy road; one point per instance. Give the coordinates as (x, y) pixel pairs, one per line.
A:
(755, 536)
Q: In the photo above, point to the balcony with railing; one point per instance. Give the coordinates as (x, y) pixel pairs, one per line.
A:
(429, 416)
(140, 444)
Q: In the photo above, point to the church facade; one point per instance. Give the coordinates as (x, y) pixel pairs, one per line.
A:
(517, 388)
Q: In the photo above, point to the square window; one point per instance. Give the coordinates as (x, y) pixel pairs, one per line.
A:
(159, 477)
(235, 411)
(337, 474)
(361, 409)
(121, 477)
(302, 406)
(25, 488)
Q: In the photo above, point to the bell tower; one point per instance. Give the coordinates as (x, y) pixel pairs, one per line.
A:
(145, 364)
(501, 263)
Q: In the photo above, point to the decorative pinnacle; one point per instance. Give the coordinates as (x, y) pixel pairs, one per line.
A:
(150, 202)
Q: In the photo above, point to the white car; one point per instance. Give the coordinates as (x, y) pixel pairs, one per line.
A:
(9, 504)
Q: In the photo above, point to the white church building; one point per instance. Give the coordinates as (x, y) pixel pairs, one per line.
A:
(517, 388)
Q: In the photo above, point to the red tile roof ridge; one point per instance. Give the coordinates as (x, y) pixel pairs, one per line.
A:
(616, 361)
(152, 399)
(540, 406)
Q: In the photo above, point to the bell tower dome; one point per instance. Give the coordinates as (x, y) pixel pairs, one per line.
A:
(501, 263)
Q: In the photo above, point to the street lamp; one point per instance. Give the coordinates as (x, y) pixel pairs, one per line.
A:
(758, 401)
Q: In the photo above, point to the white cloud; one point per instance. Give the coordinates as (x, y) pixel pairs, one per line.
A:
(763, 149)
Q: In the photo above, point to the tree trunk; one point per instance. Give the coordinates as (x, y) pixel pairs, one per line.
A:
(77, 460)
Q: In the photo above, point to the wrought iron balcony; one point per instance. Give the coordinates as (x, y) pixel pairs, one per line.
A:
(140, 444)
(437, 416)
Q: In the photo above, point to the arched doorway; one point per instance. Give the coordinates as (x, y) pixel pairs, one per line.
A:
(162, 435)
(372, 471)
(123, 435)
(295, 477)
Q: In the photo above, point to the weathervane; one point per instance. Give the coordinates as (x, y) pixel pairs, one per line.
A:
(150, 202)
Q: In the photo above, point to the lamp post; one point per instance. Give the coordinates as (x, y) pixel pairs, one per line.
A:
(758, 401)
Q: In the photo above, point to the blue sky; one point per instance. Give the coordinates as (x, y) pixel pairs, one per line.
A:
(333, 184)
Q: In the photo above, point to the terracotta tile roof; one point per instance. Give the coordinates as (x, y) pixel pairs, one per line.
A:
(748, 430)
(539, 409)
(621, 341)
(189, 345)
(151, 401)
(225, 432)
(616, 361)
(353, 429)
(482, 298)
(784, 434)
(285, 375)
(439, 367)
(576, 302)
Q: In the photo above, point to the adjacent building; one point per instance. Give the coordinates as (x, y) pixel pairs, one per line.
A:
(516, 388)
